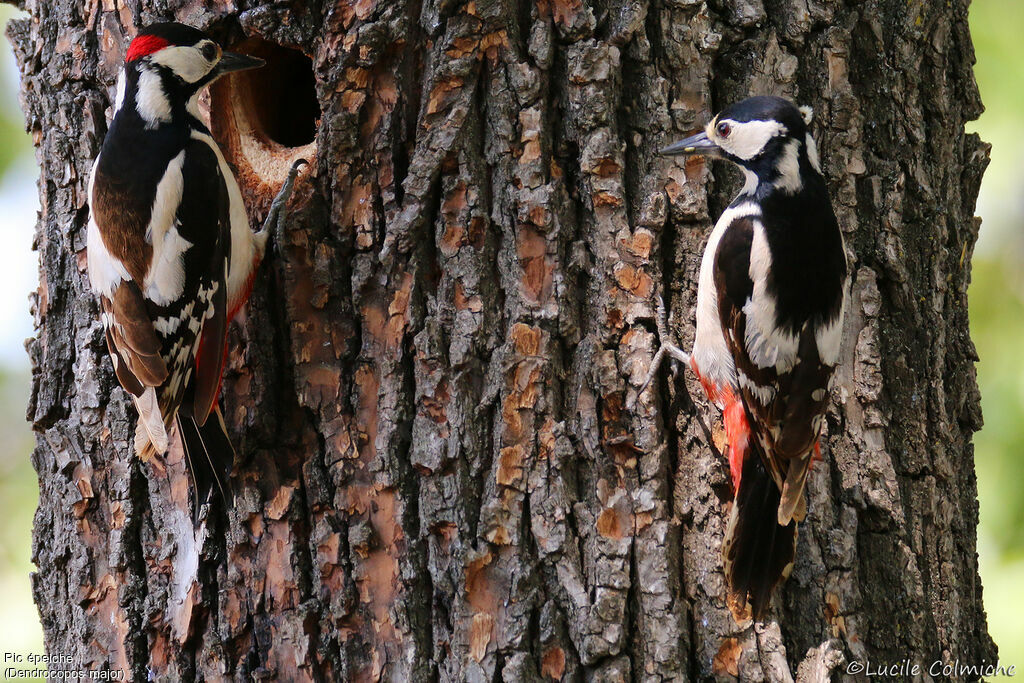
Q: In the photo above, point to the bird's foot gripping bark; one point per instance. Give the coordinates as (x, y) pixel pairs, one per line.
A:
(666, 348)
(278, 214)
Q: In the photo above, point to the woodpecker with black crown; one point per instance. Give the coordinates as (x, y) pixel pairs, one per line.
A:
(171, 254)
(770, 304)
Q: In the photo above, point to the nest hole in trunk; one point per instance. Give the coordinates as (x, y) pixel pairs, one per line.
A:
(265, 119)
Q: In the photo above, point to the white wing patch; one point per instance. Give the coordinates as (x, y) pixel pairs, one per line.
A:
(165, 280)
(766, 345)
(166, 202)
(763, 394)
(166, 325)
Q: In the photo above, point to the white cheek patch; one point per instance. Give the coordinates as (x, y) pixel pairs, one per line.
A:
(747, 139)
(150, 100)
(186, 62)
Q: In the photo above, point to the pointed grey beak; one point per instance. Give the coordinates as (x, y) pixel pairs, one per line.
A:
(695, 144)
(232, 61)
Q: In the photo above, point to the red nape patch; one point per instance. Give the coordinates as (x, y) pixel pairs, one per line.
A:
(145, 45)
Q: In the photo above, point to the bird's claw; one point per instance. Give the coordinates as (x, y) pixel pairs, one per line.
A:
(278, 214)
(666, 348)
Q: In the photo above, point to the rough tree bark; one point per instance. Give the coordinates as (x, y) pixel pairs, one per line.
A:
(439, 477)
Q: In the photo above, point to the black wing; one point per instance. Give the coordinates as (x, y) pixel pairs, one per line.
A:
(784, 409)
(199, 313)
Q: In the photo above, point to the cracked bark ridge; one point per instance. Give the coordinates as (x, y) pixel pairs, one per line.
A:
(438, 476)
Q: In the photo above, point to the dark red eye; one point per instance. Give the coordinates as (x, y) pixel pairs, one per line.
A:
(209, 52)
(723, 129)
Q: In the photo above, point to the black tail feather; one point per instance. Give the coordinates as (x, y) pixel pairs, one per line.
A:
(758, 551)
(209, 456)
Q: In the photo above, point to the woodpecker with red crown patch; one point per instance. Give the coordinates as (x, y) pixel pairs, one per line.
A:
(171, 254)
(770, 304)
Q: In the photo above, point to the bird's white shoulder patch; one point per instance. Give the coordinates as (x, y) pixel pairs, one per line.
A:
(766, 344)
(166, 201)
(165, 280)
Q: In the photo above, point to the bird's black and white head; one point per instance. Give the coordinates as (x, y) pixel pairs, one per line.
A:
(767, 137)
(165, 68)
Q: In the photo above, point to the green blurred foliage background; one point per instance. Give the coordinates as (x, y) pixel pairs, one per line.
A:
(20, 631)
(997, 322)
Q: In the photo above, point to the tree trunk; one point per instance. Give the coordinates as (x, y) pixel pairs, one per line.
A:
(441, 473)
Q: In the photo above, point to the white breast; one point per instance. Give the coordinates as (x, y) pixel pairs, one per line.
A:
(243, 241)
(710, 351)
